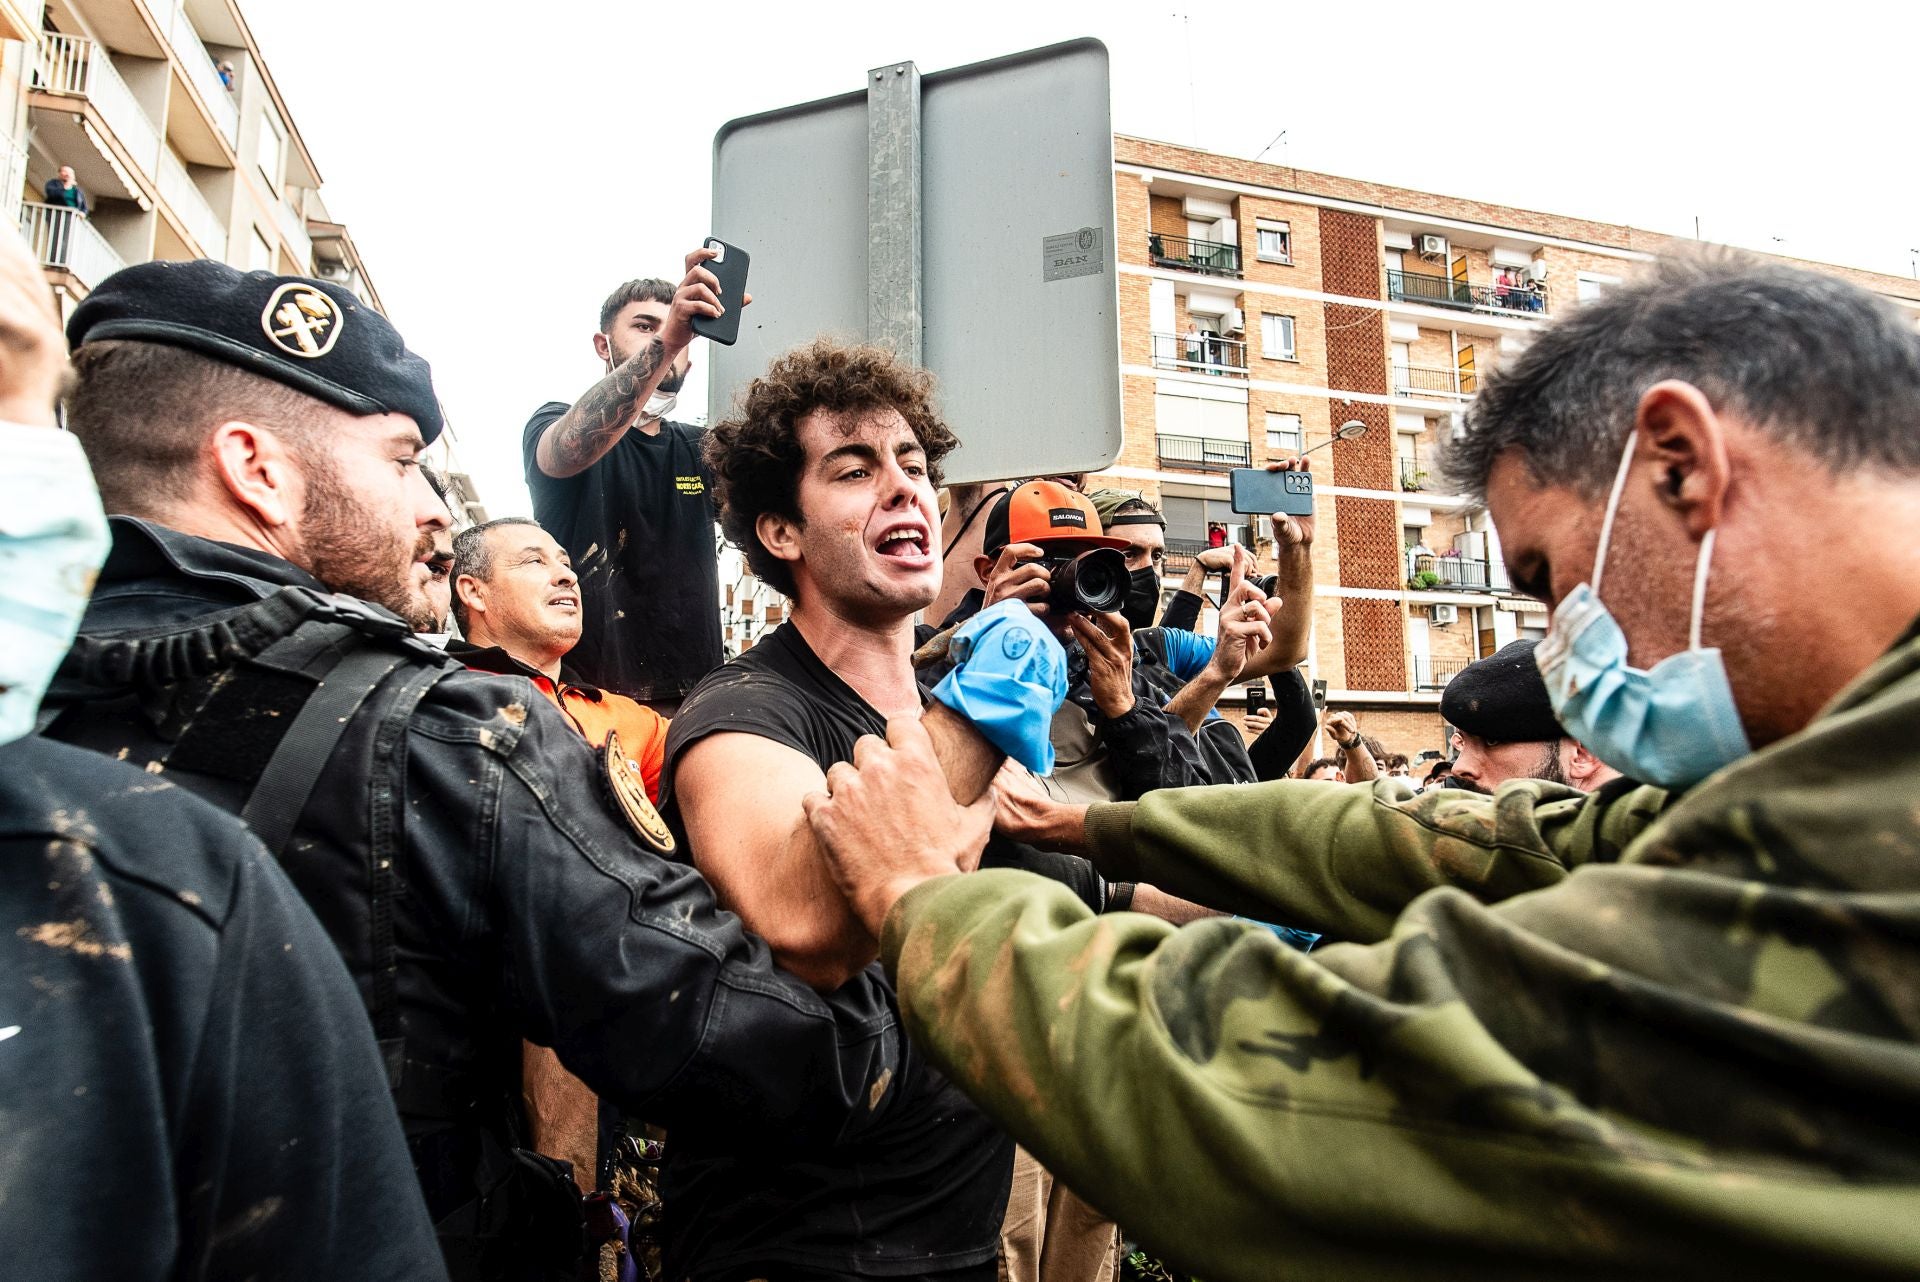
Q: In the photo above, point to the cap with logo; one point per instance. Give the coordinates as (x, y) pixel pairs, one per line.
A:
(313, 336)
(1502, 697)
(1049, 514)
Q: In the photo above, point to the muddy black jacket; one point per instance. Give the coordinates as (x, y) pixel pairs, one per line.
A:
(525, 907)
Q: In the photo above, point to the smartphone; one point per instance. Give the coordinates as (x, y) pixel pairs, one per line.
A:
(1258, 491)
(1256, 698)
(731, 270)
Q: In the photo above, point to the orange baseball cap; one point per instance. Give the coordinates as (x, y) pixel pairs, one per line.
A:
(1049, 514)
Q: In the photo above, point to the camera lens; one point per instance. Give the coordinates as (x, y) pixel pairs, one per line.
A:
(1267, 583)
(1092, 583)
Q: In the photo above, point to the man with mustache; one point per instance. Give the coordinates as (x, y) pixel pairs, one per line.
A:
(626, 493)
(1504, 727)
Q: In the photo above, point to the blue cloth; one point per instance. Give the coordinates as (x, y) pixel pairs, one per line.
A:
(1291, 936)
(1187, 655)
(1009, 678)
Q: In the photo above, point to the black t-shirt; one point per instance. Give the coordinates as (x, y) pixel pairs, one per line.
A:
(922, 1197)
(639, 527)
(189, 1082)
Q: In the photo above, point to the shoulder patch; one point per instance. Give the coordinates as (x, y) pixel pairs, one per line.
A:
(629, 792)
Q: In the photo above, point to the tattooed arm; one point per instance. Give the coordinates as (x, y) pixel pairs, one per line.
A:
(579, 438)
(582, 436)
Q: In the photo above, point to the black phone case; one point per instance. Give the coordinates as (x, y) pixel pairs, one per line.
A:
(731, 270)
(1256, 492)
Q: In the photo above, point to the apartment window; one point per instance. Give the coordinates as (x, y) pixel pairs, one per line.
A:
(1276, 337)
(1588, 288)
(263, 258)
(270, 144)
(1283, 433)
(1275, 241)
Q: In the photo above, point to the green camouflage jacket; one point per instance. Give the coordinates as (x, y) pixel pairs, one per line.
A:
(1626, 1034)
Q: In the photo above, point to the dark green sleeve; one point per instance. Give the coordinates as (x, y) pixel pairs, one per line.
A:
(1589, 1081)
(1346, 859)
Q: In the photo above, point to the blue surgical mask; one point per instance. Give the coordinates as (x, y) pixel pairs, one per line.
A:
(53, 538)
(1672, 725)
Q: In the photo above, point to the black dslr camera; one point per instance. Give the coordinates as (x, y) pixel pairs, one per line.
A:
(1092, 583)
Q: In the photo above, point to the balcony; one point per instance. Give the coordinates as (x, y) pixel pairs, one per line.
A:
(1426, 380)
(190, 208)
(73, 67)
(1201, 353)
(1182, 253)
(64, 241)
(1433, 674)
(1206, 453)
(200, 68)
(1413, 477)
(1429, 572)
(1458, 295)
(293, 233)
(13, 177)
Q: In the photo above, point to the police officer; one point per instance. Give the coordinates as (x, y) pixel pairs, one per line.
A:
(258, 439)
(1504, 727)
(154, 1127)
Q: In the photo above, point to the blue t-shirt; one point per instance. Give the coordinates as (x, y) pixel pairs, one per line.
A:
(1188, 654)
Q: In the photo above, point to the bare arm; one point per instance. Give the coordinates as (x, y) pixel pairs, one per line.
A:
(1244, 633)
(582, 436)
(762, 857)
(1293, 585)
(562, 1113)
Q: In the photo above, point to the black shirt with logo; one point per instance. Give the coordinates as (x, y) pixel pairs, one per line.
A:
(638, 526)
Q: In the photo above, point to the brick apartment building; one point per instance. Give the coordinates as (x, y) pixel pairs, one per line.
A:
(175, 130)
(1263, 306)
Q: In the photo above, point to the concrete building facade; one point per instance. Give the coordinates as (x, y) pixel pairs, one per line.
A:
(1262, 307)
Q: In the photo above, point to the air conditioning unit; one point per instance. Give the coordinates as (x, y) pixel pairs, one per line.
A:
(1537, 270)
(1433, 248)
(1235, 321)
(1442, 615)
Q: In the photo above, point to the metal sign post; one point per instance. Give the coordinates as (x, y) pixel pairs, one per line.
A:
(963, 218)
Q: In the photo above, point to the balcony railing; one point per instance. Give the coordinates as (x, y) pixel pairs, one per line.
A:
(78, 67)
(201, 70)
(1205, 452)
(293, 226)
(1433, 674)
(1426, 380)
(1448, 573)
(1208, 257)
(13, 177)
(1439, 291)
(183, 196)
(61, 238)
(1204, 353)
(1412, 475)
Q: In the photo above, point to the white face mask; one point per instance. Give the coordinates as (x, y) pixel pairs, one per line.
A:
(1672, 725)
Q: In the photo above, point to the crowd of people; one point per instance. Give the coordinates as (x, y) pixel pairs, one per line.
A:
(386, 900)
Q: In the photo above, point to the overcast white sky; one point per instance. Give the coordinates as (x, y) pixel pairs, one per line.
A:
(502, 166)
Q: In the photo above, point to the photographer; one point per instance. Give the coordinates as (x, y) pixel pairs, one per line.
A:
(1115, 737)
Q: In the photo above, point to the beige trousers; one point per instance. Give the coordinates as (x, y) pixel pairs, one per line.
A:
(1050, 1235)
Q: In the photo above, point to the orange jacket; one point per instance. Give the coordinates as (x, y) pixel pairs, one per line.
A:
(593, 712)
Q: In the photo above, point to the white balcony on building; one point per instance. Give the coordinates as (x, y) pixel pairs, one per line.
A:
(64, 241)
(190, 209)
(202, 74)
(85, 115)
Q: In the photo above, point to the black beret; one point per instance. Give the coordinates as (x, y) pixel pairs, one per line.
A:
(1502, 697)
(312, 336)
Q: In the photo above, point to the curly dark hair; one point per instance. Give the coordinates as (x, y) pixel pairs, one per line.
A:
(756, 455)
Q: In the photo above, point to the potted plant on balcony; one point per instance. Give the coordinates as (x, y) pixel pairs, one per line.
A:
(1424, 580)
(1412, 480)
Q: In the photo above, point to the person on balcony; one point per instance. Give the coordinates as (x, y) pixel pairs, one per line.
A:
(224, 70)
(64, 192)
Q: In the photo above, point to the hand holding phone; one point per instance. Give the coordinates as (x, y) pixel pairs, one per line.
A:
(729, 268)
(1256, 490)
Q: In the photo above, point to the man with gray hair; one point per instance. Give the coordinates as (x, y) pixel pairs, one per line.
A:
(1664, 1030)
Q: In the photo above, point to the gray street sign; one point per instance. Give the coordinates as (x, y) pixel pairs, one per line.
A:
(964, 218)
